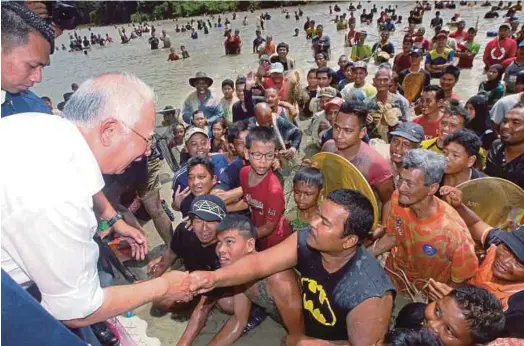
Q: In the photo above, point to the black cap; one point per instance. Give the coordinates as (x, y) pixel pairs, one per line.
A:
(208, 208)
(411, 131)
(416, 52)
(514, 241)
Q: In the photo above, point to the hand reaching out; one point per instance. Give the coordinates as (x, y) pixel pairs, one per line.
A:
(179, 286)
(437, 290)
(202, 282)
(134, 237)
(451, 195)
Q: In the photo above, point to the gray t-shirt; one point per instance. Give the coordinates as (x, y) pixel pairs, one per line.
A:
(502, 106)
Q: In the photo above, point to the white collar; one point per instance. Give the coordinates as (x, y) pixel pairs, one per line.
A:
(3, 96)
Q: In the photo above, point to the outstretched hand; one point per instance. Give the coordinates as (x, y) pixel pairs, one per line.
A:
(179, 197)
(134, 237)
(178, 286)
(202, 282)
(451, 195)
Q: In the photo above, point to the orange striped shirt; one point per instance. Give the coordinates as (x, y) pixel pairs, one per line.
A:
(439, 247)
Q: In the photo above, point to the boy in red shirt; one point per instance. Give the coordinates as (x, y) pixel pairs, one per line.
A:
(500, 48)
(262, 190)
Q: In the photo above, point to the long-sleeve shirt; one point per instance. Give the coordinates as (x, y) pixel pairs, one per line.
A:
(210, 106)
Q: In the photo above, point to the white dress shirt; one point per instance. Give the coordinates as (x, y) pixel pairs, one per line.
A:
(47, 180)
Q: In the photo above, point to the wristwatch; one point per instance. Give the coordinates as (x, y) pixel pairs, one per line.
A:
(114, 219)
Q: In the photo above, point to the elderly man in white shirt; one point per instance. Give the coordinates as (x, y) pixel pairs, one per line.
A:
(48, 181)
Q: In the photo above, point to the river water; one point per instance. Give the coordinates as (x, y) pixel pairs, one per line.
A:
(170, 79)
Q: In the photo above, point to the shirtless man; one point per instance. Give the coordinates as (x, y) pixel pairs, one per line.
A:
(278, 294)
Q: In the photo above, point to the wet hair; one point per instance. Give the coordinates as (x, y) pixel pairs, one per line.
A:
(323, 69)
(455, 109)
(480, 123)
(412, 337)
(323, 55)
(234, 131)
(45, 99)
(240, 223)
(355, 108)
(204, 161)
(360, 218)
(309, 176)
(410, 316)
(439, 92)
(482, 312)
(313, 70)
(228, 82)
(282, 45)
(452, 70)
(467, 138)
(432, 164)
(260, 134)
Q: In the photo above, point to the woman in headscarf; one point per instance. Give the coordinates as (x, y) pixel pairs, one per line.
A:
(493, 89)
(477, 107)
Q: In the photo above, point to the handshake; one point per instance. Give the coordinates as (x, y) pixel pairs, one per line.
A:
(184, 286)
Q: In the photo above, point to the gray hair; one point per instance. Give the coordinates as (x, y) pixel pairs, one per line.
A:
(432, 164)
(385, 66)
(120, 96)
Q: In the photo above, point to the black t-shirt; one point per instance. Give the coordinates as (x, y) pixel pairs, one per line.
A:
(186, 245)
(275, 59)
(436, 22)
(358, 280)
(496, 165)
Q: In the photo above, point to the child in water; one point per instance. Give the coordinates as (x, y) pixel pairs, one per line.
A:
(172, 55)
(307, 189)
(185, 53)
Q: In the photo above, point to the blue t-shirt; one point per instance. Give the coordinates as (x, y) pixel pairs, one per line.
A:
(24, 102)
(219, 162)
(230, 177)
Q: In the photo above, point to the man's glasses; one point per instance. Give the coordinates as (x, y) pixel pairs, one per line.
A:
(258, 156)
(147, 140)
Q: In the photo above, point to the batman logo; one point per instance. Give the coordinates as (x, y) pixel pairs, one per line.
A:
(315, 301)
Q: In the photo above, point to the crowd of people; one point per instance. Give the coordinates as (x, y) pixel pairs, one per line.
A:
(413, 263)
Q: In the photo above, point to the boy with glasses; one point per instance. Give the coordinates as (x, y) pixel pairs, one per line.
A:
(262, 190)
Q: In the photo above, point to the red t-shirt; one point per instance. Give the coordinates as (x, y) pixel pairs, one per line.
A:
(373, 166)
(430, 127)
(401, 62)
(266, 204)
(493, 54)
(268, 83)
(460, 35)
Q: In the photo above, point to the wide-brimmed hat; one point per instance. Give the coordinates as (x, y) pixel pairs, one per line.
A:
(200, 75)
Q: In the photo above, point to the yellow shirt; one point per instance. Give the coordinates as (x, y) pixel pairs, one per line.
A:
(431, 144)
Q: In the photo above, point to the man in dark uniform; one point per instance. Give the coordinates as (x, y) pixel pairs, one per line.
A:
(346, 293)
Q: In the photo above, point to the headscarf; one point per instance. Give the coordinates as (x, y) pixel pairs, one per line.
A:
(480, 123)
(490, 85)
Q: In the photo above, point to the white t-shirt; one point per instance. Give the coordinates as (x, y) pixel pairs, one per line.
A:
(47, 180)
